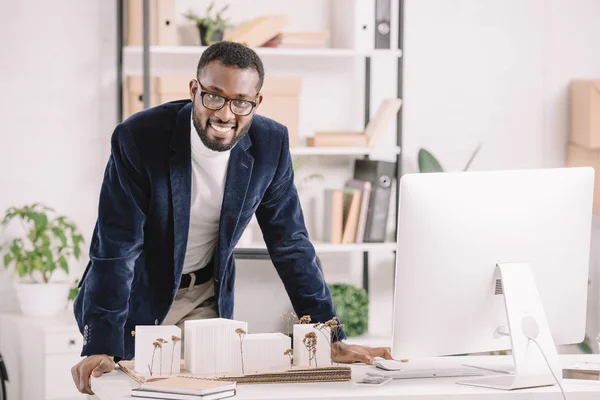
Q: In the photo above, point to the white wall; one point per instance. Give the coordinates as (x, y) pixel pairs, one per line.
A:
(58, 80)
(497, 72)
(475, 70)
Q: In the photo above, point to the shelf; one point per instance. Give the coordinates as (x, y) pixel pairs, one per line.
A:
(136, 51)
(336, 248)
(342, 151)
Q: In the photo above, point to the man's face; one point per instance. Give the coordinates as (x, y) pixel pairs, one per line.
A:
(221, 99)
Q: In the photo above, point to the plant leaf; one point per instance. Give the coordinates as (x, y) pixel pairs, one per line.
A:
(20, 269)
(428, 163)
(7, 259)
(73, 292)
(473, 156)
(40, 221)
(63, 264)
(61, 235)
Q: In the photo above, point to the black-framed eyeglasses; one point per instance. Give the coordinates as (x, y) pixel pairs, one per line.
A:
(215, 102)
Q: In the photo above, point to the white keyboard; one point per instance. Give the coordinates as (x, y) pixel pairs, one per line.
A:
(416, 373)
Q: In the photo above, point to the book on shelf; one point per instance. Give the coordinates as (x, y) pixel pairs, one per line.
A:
(299, 40)
(258, 31)
(337, 139)
(346, 212)
(367, 138)
(365, 188)
(381, 175)
(185, 387)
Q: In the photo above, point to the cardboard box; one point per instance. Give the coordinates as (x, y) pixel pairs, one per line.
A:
(585, 113)
(280, 103)
(162, 90)
(578, 156)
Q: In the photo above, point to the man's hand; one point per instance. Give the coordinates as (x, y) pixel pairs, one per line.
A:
(92, 365)
(350, 353)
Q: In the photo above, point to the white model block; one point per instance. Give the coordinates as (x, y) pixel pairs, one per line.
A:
(212, 346)
(301, 355)
(163, 360)
(264, 352)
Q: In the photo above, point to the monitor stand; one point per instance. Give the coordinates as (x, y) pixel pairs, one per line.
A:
(526, 317)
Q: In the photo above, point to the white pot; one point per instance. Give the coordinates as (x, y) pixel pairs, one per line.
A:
(42, 299)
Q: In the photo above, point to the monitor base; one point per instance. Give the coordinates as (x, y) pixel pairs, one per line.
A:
(533, 350)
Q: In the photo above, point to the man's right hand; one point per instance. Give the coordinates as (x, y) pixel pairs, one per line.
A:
(92, 365)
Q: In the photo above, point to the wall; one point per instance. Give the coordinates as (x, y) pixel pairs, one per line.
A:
(475, 70)
(497, 72)
(58, 80)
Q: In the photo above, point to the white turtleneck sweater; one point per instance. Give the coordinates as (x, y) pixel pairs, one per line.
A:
(209, 171)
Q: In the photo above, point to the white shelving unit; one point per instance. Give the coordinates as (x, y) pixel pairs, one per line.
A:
(343, 151)
(156, 60)
(337, 248)
(196, 51)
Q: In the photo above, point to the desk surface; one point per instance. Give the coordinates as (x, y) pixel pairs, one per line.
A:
(116, 385)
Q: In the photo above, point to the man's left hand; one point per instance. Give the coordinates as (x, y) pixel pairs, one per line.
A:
(350, 353)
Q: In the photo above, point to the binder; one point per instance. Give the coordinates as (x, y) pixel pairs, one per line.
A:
(162, 27)
(381, 175)
(354, 24)
(383, 13)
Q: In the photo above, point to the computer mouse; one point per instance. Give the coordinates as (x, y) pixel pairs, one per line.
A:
(389, 365)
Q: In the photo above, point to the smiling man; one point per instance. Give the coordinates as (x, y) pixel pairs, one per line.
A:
(182, 182)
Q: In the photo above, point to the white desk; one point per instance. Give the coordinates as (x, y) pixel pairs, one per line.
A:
(116, 386)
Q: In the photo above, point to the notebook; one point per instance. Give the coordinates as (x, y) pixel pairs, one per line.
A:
(177, 396)
(186, 385)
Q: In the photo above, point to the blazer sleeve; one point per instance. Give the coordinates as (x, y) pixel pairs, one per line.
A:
(282, 223)
(115, 246)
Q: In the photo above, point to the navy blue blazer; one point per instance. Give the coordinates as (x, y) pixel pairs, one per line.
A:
(139, 240)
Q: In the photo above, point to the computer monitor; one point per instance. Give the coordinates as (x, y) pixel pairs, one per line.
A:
(483, 254)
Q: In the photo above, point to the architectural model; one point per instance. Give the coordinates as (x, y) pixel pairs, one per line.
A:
(265, 352)
(312, 346)
(157, 350)
(219, 346)
(212, 346)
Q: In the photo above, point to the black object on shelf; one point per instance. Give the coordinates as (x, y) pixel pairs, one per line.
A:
(3, 379)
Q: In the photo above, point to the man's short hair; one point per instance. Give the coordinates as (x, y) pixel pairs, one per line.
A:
(232, 54)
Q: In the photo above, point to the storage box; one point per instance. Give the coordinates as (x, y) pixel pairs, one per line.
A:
(578, 156)
(162, 28)
(280, 103)
(585, 113)
(162, 90)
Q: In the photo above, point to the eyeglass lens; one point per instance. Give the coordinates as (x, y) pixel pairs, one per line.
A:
(216, 102)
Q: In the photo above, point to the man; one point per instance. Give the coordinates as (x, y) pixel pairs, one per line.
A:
(182, 182)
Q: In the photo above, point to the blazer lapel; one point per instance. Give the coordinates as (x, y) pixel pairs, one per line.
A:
(239, 172)
(181, 186)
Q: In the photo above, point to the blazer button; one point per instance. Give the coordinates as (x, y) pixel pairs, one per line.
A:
(156, 322)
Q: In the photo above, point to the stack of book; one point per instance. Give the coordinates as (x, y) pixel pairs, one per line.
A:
(346, 211)
(185, 388)
(299, 40)
(358, 211)
(367, 138)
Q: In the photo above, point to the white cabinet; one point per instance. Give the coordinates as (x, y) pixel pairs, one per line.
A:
(39, 354)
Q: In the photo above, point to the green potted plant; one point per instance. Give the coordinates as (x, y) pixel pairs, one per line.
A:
(428, 163)
(352, 307)
(211, 29)
(46, 246)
